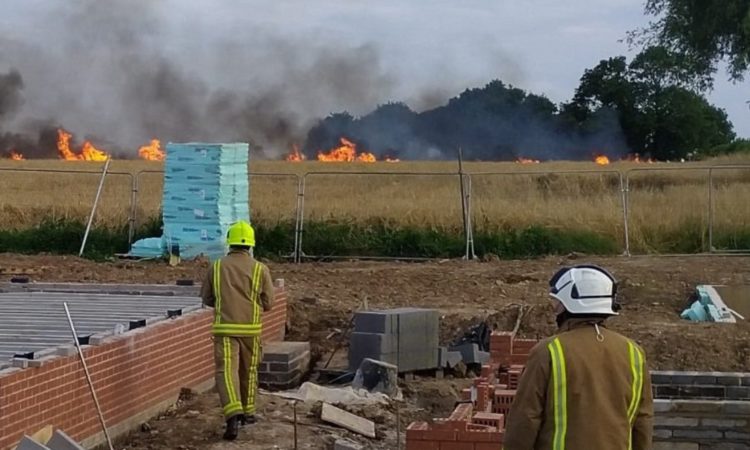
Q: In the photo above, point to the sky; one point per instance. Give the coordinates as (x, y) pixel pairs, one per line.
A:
(81, 59)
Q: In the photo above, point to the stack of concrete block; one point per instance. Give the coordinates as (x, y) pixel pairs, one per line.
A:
(405, 337)
(284, 364)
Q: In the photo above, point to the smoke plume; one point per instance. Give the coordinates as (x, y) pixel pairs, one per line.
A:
(122, 72)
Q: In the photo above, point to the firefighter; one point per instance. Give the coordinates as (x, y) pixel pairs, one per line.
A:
(587, 387)
(239, 288)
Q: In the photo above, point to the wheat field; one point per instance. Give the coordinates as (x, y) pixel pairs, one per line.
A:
(663, 198)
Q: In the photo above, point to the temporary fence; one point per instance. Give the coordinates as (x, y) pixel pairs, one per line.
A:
(464, 185)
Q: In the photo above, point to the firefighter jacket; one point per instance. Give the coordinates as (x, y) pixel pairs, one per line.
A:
(239, 288)
(585, 388)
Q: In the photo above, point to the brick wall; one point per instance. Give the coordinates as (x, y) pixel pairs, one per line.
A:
(132, 374)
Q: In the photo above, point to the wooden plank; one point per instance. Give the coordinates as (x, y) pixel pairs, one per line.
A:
(347, 420)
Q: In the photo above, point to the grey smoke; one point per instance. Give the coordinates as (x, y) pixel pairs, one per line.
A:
(113, 72)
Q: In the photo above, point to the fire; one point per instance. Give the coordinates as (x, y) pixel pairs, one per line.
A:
(16, 156)
(152, 152)
(88, 152)
(522, 160)
(346, 152)
(295, 155)
(636, 158)
(392, 160)
(601, 160)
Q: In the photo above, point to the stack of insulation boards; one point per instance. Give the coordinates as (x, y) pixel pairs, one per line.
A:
(205, 190)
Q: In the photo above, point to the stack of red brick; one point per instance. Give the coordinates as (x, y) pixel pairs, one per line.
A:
(478, 422)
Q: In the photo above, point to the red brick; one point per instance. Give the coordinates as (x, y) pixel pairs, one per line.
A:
(456, 446)
(488, 446)
(422, 445)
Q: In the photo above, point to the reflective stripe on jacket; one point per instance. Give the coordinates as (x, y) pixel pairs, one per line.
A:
(582, 390)
(239, 288)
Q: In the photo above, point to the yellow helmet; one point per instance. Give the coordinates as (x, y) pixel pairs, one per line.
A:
(241, 234)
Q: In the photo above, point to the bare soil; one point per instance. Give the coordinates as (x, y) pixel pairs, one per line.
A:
(654, 290)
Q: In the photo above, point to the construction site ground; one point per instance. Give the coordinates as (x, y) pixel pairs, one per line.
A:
(323, 296)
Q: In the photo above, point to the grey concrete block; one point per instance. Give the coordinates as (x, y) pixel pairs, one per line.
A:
(67, 350)
(61, 441)
(469, 353)
(422, 359)
(447, 358)
(663, 421)
(662, 406)
(735, 408)
(725, 446)
(698, 406)
(345, 444)
(285, 351)
(675, 446)
(737, 436)
(738, 392)
(21, 363)
(662, 434)
(29, 444)
(373, 343)
(691, 391)
(698, 434)
(723, 423)
(383, 322)
(661, 377)
(484, 357)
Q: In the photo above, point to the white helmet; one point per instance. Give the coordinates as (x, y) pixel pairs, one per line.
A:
(585, 289)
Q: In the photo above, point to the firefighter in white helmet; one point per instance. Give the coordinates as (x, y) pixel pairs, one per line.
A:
(587, 387)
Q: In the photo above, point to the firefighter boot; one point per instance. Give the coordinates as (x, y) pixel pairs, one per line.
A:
(248, 419)
(233, 428)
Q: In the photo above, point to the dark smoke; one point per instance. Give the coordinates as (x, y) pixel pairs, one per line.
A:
(122, 72)
(106, 70)
(497, 122)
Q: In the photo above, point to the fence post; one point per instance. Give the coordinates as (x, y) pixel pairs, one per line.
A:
(625, 195)
(93, 207)
(133, 209)
(711, 210)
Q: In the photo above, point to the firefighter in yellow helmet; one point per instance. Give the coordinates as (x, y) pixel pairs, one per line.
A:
(239, 288)
(587, 387)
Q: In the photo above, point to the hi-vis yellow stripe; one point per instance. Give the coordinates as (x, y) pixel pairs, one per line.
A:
(636, 367)
(255, 292)
(234, 405)
(217, 290)
(559, 394)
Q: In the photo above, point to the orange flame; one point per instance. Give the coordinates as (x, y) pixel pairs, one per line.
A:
(16, 156)
(152, 152)
(88, 152)
(601, 160)
(522, 160)
(346, 152)
(295, 155)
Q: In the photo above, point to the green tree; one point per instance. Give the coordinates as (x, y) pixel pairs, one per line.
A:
(702, 33)
(657, 115)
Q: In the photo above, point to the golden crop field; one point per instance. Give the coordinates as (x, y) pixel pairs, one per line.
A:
(663, 197)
